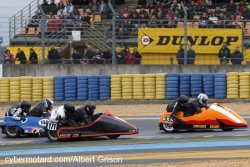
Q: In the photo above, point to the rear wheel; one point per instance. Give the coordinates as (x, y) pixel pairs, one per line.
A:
(52, 135)
(114, 136)
(227, 129)
(12, 131)
(167, 127)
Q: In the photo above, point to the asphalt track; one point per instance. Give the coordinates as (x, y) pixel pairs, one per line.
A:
(149, 146)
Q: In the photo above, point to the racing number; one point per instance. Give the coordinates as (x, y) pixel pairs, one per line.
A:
(52, 126)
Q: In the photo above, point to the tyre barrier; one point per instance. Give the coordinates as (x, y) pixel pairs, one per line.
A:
(26, 88)
(208, 84)
(127, 86)
(4, 90)
(14, 89)
(172, 86)
(37, 89)
(160, 86)
(59, 88)
(93, 87)
(196, 82)
(116, 87)
(244, 85)
(70, 88)
(185, 88)
(233, 85)
(149, 86)
(82, 88)
(48, 87)
(138, 86)
(104, 87)
(220, 85)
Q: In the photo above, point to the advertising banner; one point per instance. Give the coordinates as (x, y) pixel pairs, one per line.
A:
(203, 40)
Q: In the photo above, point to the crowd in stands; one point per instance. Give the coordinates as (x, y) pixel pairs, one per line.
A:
(167, 14)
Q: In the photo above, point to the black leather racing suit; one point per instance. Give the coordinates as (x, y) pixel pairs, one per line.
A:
(39, 110)
(194, 107)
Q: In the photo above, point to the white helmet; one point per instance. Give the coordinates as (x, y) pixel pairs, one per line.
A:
(202, 98)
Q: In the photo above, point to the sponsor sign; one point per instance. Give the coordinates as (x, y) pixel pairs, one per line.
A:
(167, 40)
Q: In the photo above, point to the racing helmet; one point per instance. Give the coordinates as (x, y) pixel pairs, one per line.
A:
(69, 108)
(25, 106)
(183, 99)
(202, 98)
(48, 104)
(90, 107)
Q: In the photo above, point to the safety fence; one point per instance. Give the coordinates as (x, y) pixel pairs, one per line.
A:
(232, 85)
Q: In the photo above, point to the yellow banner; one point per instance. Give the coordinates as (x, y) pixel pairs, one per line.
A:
(167, 40)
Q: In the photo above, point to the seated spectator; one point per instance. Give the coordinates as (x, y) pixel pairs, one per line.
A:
(143, 12)
(52, 7)
(68, 8)
(137, 56)
(242, 7)
(126, 13)
(158, 5)
(203, 22)
(175, 6)
(8, 57)
(76, 57)
(20, 56)
(35, 20)
(76, 14)
(231, 7)
(61, 12)
(95, 7)
(52, 23)
(45, 7)
(236, 57)
(86, 19)
(33, 57)
(213, 21)
(60, 5)
(54, 56)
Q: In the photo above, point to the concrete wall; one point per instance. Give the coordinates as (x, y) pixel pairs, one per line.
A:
(70, 69)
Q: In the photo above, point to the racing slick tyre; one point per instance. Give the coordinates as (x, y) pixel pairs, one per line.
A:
(12, 131)
(168, 128)
(113, 136)
(52, 135)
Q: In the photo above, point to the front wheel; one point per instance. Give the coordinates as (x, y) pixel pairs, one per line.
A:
(12, 131)
(114, 136)
(51, 135)
(168, 128)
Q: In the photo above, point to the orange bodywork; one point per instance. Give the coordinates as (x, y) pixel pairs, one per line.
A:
(215, 115)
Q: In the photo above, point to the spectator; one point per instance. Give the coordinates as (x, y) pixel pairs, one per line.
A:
(86, 19)
(68, 8)
(35, 20)
(137, 56)
(8, 58)
(52, 7)
(54, 56)
(203, 21)
(76, 57)
(236, 57)
(52, 23)
(130, 59)
(224, 54)
(107, 55)
(213, 21)
(89, 55)
(190, 55)
(126, 13)
(61, 12)
(104, 10)
(45, 7)
(33, 57)
(231, 7)
(60, 5)
(180, 55)
(20, 56)
(142, 2)
(97, 59)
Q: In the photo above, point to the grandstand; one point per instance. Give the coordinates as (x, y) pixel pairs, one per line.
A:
(51, 24)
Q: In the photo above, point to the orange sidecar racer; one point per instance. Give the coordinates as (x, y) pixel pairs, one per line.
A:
(216, 116)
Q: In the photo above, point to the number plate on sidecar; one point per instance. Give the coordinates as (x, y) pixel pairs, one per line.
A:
(51, 126)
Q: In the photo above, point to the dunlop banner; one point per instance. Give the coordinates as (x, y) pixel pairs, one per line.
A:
(167, 40)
